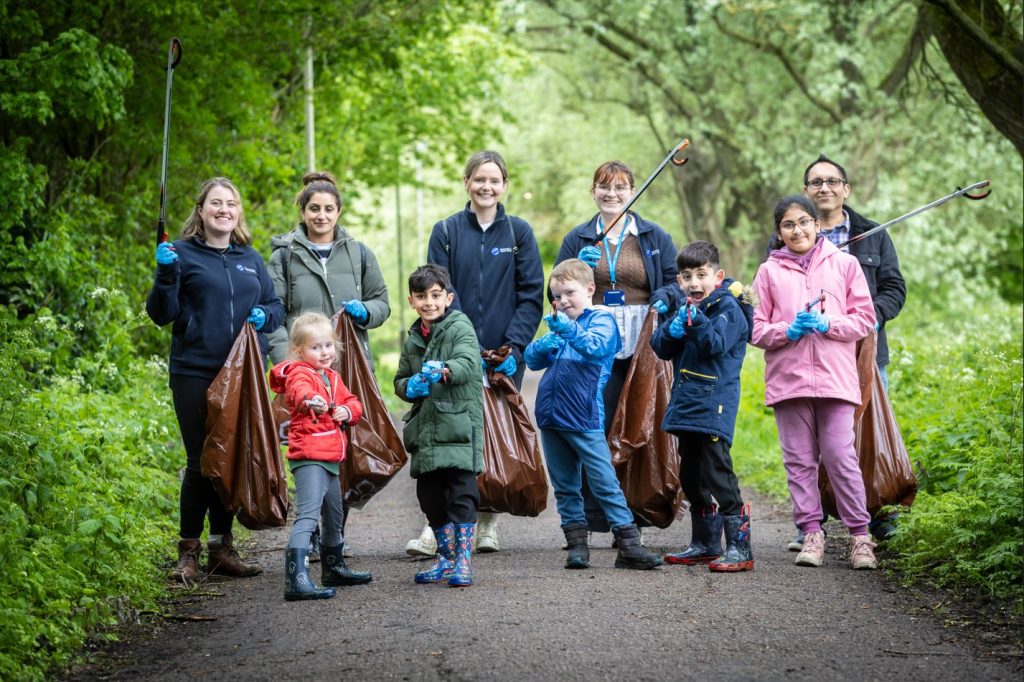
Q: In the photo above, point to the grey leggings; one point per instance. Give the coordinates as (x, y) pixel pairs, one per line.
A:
(316, 488)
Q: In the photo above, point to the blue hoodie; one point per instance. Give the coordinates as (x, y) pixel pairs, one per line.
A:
(707, 363)
(497, 276)
(207, 293)
(569, 395)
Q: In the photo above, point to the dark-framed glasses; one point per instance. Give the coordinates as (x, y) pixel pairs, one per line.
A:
(789, 225)
(816, 183)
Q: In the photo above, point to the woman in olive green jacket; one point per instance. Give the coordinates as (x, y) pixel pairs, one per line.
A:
(318, 267)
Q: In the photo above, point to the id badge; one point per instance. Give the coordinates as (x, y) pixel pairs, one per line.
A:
(614, 297)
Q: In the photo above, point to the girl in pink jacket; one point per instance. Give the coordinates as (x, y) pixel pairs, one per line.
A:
(811, 371)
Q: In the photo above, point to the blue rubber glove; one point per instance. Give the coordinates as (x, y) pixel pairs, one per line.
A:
(677, 327)
(417, 387)
(797, 328)
(697, 316)
(660, 306)
(549, 343)
(257, 317)
(432, 370)
(357, 311)
(813, 321)
(484, 366)
(559, 323)
(165, 254)
(590, 255)
(876, 325)
(508, 366)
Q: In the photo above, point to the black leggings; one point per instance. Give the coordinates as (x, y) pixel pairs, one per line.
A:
(448, 496)
(197, 494)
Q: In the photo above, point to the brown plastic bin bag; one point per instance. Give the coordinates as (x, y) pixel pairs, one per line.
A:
(646, 458)
(882, 456)
(241, 455)
(375, 450)
(513, 480)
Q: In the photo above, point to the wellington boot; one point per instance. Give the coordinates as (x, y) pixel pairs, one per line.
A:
(737, 556)
(444, 564)
(224, 560)
(705, 538)
(187, 568)
(487, 539)
(576, 541)
(297, 583)
(631, 554)
(462, 574)
(335, 573)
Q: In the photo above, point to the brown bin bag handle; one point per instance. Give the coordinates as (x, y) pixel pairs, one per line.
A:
(514, 479)
(646, 458)
(241, 455)
(888, 476)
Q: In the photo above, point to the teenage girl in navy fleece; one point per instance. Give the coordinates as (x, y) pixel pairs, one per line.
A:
(208, 283)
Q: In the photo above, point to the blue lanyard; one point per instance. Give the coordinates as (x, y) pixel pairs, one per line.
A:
(618, 248)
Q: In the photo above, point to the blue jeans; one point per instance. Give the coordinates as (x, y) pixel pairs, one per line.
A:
(567, 454)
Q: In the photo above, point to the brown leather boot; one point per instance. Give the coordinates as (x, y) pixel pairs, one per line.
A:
(224, 560)
(187, 568)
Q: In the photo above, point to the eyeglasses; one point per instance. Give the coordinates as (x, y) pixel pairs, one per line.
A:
(789, 226)
(816, 183)
(607, 189)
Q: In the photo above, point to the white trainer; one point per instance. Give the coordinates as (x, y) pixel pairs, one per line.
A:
(487, 533)
(424, 545)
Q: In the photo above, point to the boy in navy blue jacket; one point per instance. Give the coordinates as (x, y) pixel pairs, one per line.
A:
(706, 340)
(577, 355)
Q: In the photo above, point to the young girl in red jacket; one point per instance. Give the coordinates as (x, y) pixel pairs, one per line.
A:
(811, 371)
(321, 410)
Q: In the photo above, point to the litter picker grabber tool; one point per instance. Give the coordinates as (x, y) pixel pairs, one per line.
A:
(173, 57)
(966, 192)
(675, 158)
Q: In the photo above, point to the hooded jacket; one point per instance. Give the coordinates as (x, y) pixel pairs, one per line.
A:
(207, 293)
(569, 395)
(497, 276)
(707, 361)
(656, 246)
(312, 436)
(816, 365)
(445, 429)
(305, 285)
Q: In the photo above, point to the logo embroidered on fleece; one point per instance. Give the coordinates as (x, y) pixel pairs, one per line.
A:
(654, 252)
(243, 268)
(495, 251)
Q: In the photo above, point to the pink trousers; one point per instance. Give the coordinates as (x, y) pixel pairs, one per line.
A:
(813, 430)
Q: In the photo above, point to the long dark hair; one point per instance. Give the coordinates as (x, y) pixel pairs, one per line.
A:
(775, 241)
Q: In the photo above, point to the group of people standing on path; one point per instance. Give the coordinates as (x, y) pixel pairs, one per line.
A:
(483, 289)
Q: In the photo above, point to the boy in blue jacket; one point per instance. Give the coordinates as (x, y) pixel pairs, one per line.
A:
(706, 340)
(577, 355)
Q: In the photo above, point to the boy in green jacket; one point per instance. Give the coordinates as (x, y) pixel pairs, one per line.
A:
(439, 373)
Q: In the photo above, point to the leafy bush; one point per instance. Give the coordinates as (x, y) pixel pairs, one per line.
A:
(87, 497)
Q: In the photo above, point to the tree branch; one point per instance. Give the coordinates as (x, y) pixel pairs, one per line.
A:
(777, 52)
(912, 51)
(995, 50)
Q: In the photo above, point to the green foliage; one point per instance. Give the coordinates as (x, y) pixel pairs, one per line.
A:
(87, 496)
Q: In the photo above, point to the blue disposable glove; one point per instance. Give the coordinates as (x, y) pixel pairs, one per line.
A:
(813, 321)
(797, 328)
(432, 370)
(357, 311)
(677, 327)
(484, 366)
(165, 254)
(559, 323)
(590, 255)
(660, 306)
(508, 366)
(257, 317)
(549, 343)
(876, 325)
(697, 316)
(417, 387)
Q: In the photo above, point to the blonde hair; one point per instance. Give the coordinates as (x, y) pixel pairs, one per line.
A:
(574, 270)
(305, 326)
(194, 226)
(480, 158)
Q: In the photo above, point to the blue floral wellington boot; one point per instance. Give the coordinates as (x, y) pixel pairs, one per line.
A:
(462, 576)
(444, 563)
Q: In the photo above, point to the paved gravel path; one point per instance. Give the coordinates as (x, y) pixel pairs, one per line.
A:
(527, 618)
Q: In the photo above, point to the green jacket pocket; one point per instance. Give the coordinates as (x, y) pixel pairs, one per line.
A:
(452, 423)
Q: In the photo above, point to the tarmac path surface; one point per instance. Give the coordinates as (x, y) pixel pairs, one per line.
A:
(527, 618)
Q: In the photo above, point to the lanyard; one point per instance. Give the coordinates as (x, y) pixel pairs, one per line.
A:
(618, 248)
